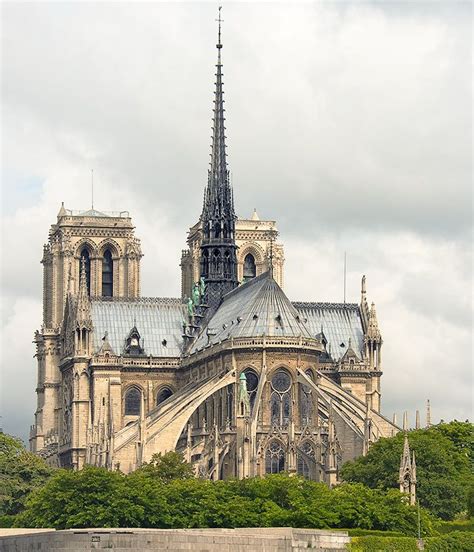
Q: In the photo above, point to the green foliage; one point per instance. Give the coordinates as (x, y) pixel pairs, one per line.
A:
(92, 497)
(456, 541)
(457, 525)
(95, 497)
(20, 473)
(373, 543)
(443, 457)
(167, 467)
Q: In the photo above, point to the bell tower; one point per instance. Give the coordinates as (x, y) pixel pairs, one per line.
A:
(218, 247)
(103, 248)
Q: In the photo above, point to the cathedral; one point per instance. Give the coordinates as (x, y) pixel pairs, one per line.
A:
(233, 374)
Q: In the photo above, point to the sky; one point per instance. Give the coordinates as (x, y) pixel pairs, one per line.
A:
(350, 124)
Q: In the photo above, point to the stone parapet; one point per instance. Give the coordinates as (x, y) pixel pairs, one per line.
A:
(265, 539)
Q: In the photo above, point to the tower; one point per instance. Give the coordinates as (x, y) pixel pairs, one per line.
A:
(218, 247)
(103, 246)
(407, 477)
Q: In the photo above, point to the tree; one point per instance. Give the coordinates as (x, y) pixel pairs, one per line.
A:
(92, 497)
(167, 467)
(20, 473)
(444, 474)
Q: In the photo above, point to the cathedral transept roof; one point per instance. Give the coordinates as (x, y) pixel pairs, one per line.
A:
(340, 322)
(159, 321)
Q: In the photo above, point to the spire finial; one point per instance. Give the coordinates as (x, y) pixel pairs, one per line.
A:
(428, 413)
(219, 44)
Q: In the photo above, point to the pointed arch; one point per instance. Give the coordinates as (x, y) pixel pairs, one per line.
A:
(107, 274)
(275, 457)
(132, 399)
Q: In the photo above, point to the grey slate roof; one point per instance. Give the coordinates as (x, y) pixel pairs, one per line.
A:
(156, 318)
(256, 308)
(339, 321)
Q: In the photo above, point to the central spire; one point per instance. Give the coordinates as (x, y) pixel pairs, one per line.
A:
(218, 249)
(218, 198)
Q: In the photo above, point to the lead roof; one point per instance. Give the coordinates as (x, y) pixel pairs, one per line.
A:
(257, 308)
(159, 321)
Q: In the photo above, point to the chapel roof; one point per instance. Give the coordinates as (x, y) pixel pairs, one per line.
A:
(258, 307)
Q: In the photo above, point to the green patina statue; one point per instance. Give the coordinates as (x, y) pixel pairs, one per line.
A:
(196, 294)
(190, 307)
(202, 287)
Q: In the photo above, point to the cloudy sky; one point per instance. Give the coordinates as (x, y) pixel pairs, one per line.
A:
(348, 123)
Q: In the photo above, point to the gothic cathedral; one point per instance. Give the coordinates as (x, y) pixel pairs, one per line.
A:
(233, 374)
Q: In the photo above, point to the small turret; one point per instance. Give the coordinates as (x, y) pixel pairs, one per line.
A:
(407, 478)
(83, 318)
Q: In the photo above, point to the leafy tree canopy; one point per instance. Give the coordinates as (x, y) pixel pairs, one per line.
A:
(444, 456)
(167, 467)
(20, 473)
(95, 497)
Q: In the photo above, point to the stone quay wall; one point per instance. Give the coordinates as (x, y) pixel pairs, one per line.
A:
(266, 539)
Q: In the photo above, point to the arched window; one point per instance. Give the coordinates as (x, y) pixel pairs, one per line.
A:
(305, 459)
(252, 384)
(164, 394)
(132, 401)
(275, 458)
(250, 269)
(107, 274)
(306, 401)
(85, 255)
(280, 402)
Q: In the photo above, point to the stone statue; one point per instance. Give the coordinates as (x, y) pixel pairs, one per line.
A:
(202, 287)
(190, 307)
(196, 295)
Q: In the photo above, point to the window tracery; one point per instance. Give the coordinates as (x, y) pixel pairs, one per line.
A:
(275, 457)
(280, 400)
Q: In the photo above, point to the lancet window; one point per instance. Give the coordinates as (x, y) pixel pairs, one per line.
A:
(280, 400)
(107, 274)
(132, 402)
(87, 265)
(306, 401)
(250, 268)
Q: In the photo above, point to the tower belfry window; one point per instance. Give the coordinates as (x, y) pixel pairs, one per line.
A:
(107, 274)
(250, 269)
(87, 266)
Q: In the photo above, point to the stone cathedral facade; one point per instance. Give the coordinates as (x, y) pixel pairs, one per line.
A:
(233, 374)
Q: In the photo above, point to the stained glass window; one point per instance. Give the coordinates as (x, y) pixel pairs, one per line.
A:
(163, 395)
(280, 400)
(275, 457)
(132, 402)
